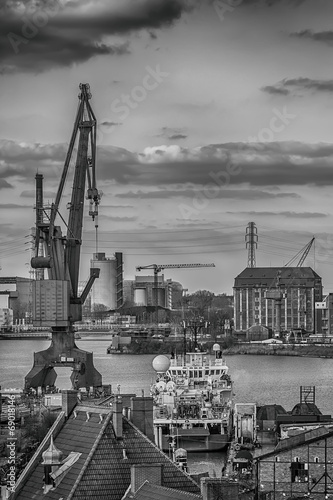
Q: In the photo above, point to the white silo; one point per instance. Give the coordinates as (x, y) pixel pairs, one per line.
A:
(104, 290)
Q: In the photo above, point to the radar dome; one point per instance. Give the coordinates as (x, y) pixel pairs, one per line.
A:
(161, 363)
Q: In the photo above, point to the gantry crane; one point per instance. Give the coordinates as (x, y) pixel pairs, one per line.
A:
(158, 268)
(57, 303)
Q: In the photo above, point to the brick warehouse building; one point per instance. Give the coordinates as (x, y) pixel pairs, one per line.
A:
(299, 467)
(300, 288)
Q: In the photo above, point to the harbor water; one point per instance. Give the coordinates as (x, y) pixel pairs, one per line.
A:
(257, 379)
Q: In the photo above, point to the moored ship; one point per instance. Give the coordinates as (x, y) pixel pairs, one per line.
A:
(192, 401)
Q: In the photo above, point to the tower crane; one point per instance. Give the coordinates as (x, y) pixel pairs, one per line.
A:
(158, 268)
(57, 303)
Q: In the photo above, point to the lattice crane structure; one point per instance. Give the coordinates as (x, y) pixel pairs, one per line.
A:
(56, 300)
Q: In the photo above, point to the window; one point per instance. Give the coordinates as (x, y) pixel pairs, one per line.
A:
(299, 472)
(316, 460)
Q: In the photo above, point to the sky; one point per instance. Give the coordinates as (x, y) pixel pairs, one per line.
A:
(211, 115)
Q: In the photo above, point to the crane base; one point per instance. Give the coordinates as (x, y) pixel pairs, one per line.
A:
(63, 352)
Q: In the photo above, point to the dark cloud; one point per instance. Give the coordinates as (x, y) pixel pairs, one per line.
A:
(237, 194)
(215, 166)
(49, 34)
(293, 215)
(4, 206)
(271, 3)
(4, 184)
(110, 124)
(275, 90)
(177, 137)
(319, 36)
(292, 85)
(172, 133)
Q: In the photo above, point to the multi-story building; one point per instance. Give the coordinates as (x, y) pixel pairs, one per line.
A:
(325, 309)
(298, 288)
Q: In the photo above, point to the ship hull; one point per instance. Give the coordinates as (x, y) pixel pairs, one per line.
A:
(198, 443)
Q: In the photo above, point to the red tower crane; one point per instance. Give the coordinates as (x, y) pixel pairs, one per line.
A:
(56, 301)
(158, 268)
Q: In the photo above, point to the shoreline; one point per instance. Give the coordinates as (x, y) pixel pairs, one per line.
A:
(300, 350)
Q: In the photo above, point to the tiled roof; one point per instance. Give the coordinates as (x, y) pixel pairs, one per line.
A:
(269, 274)
(77, 434)
(150, 491)
(103, 470)
(304, 438)
(109, 473)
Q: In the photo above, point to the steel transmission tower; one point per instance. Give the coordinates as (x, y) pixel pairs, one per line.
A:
(251, 239)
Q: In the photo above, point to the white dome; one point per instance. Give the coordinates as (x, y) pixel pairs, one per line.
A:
(161, 363)
(216, 347)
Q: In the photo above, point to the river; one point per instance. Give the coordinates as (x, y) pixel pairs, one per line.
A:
(257, 379)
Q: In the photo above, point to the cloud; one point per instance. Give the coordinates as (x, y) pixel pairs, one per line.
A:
(172, 133)
(215, 166)
(292, 85)
(294, 215)
(38, 36)
(177, 137)
(4, 184)
(237, 194)
(108, 124)
(319, 36)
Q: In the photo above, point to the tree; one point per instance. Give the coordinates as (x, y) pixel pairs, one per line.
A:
(200, 302)
(100, 311)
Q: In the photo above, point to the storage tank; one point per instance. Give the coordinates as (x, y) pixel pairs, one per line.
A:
(140, 297)
(104, 290)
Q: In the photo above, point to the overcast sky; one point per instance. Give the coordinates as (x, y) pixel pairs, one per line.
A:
(211, 114)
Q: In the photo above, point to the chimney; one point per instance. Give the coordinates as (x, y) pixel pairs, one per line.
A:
(142, 415)
(153, 473)
(117, 417)
(212, 488)
(69, 401)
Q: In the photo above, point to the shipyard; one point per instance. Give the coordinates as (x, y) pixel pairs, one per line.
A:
(166, 285)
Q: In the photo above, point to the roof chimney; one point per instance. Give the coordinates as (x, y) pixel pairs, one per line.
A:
(146, 472)
(212, 488)
(117, 417)
(69, 401)
(142, 415)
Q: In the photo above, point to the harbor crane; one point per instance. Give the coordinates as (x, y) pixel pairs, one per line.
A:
(158, 268)
(56, 300)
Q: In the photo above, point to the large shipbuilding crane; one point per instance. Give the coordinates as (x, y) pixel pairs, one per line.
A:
(158, 268)
(56, 301)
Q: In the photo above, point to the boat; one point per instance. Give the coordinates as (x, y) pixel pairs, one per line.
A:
(192, 406)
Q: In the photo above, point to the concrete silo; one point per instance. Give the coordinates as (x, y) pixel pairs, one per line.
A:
(108, 288)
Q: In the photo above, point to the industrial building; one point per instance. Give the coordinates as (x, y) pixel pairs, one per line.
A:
(108, 288)
(282, 299)
(141, 291)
